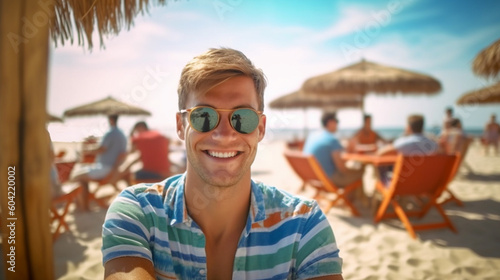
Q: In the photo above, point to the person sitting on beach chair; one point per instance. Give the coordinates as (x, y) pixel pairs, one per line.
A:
(365, 139)
(453, 138)
(111, 148)
(414, 142)
(154, 149)
(327, 149)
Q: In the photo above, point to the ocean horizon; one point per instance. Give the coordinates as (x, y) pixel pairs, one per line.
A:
(62, 132)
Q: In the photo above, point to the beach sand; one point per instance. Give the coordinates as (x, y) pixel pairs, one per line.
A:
(369, 251)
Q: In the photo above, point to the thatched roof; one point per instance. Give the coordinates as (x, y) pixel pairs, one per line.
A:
(106, 106)
(487, 62)
(52, 118)
(364, 77)
(485, 95)
(86, 16)
(298, 99)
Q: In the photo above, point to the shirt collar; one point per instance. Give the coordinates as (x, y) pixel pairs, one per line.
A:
(175, 204)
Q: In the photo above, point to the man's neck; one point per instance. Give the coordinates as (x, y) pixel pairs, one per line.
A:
(218, 210)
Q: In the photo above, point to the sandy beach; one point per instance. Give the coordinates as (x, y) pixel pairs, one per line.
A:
(369, 251)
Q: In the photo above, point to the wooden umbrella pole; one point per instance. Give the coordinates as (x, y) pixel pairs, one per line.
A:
(24, 164)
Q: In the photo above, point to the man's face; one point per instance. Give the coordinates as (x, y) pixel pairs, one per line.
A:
(332, 125)
(368, 124)
(222, 156)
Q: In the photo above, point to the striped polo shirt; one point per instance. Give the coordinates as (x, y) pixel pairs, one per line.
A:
(285, 237)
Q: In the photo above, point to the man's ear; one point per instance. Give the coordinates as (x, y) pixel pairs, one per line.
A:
(180, 125)
(262, 127)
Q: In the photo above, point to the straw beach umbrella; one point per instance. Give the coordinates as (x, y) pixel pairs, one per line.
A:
(298, 99)
(86, 16)
(301, 100)
(364, 77)
(106, 106)
(487, 62)
(52, 118)
(487, 95)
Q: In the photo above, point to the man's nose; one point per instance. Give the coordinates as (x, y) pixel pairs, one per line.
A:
(224, 129)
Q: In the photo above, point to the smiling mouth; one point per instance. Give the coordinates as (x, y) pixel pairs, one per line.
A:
(222, 154)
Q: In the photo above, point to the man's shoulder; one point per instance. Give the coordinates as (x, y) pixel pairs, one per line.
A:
(115, 132)
(275, 198)
(319, 140)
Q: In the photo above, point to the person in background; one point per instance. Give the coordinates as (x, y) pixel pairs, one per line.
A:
(327, 149)
(448, 117)
(453, 139)
(414, 142)
(365, 137)
(491, 135)
(154, 149)
(214, 221)
(112, 146)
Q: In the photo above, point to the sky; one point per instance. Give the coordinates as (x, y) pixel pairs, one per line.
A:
(290, 41)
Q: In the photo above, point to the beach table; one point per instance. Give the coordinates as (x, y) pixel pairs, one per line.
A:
(373, 159)
(370, 158)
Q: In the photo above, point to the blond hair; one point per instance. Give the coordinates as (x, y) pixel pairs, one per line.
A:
(215, 67)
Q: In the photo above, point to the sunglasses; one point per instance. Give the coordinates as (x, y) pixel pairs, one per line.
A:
(205, 119)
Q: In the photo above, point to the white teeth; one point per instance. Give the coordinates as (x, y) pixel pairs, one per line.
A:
(222, 155)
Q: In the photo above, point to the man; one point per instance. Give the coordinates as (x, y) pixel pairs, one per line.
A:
(110, 150)
(454, 138)
(154, 149)
(214, 221)
(448, 117)
(327, 149)
(491, 135)
(414, 142)
(366, 136)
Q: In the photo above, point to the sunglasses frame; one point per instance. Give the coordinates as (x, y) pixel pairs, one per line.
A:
(259, 114)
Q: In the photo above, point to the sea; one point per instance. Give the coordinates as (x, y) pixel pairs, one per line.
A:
(77, 132)
(391, 133)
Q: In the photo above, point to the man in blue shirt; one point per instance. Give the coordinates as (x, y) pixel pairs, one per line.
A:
(327, 150)
(113, 145)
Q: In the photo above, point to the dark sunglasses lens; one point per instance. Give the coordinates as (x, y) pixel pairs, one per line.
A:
(244, 120)
(204, 119)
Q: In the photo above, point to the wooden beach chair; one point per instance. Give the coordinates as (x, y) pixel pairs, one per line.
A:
(311, 173)
(417, 176)
(112, 179)
(60, 204)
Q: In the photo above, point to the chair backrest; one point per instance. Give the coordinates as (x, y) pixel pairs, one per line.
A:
(465, 146)
(308, 169)
(114, 175)
(64, 169)
(420, 174)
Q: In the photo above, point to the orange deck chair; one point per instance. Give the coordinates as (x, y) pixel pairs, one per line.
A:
(418, 176)
(111, 179)
(61, 203)
(311, 173)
